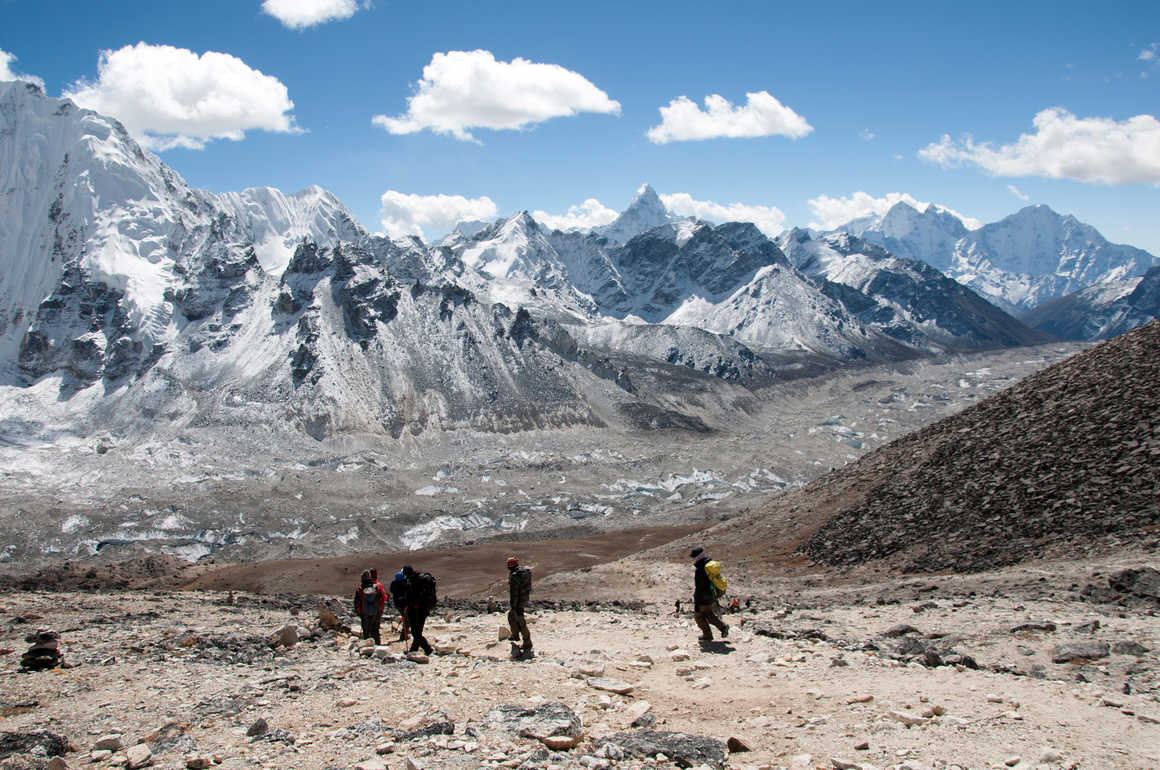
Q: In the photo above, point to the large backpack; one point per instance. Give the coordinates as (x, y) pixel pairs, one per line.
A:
(717, 581)
(370, 601)
(423, 590)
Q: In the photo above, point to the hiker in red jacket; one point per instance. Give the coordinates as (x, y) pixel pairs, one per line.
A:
(369, 601)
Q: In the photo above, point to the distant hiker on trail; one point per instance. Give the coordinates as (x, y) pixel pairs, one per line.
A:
(519, 592)
(369, 601)
(399, 599)
(705, 597)
(421, 599)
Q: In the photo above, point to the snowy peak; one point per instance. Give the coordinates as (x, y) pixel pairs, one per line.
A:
(644, 213)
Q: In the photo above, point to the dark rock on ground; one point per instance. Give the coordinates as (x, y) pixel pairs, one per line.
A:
(1064, 653)
(682, 749)
(52, 744)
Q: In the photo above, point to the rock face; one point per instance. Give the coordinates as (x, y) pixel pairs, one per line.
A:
(1069, 455)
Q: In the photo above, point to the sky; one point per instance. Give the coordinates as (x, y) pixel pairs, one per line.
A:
(417, 115)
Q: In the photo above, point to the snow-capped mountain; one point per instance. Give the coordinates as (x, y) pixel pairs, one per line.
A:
(1018, 262)
(157, 301)
(644, 213)
(116, 240)
(1102, 311)
(906, 299)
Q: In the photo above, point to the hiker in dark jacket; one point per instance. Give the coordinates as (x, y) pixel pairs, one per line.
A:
(519, 592)
(399, 599)
(704, 600)
(420, 602)
(369, 601)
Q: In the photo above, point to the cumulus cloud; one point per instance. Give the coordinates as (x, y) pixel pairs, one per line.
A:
(1065, 147)
(867, 135)
(1018, 193)
(172, 97)
(830, 213)
(1149, 53)
(300, 14)
(591, 213)
(6, 72)
(462, 90)
(762, 115)
(404, 214)
(768, 219)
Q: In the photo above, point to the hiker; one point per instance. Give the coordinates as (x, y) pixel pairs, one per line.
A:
(421, 599)
(399, 599)
(705, 598)
(519, 591)
(369, 601)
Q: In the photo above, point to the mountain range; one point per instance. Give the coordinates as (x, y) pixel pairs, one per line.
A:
(154, 300)
(1017, 263)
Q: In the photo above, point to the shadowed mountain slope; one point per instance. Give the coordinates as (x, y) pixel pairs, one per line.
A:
(1066, 462)
(1069, 456)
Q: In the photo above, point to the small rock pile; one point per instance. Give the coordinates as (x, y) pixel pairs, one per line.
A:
(44, 652)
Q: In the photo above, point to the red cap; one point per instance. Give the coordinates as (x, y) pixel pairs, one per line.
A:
(513, 561)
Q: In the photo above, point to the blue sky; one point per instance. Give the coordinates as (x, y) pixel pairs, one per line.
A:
(487, 109)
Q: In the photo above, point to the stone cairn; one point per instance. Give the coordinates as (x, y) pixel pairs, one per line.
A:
(43, 654)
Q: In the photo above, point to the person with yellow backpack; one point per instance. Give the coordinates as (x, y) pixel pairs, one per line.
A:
(708, 585)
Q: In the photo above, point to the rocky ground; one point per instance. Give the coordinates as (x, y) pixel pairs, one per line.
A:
(1050, 664)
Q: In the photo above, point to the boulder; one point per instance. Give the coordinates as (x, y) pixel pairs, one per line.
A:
(138, 756)
(682, 749)
(543, 720)
(41, 742)
(1079, 651)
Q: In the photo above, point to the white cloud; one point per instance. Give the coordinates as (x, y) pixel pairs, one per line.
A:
(172, 97)
(591, 213)
(1149, 53)
(1018, 193)
(762, 115)
(830, 213)
(405, 214)
(768, 219)
(462, 90)
(6, 72)
(1065, 147)
(300, 14)
(867, 135)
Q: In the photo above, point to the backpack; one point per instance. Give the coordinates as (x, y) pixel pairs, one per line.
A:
(370, 601)
(423, 590)
(717, 581)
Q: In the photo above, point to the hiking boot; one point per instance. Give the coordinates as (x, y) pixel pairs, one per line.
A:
(725, 632)
(704, 638)
(515, 651)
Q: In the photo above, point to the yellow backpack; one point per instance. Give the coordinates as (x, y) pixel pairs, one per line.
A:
(716, 580)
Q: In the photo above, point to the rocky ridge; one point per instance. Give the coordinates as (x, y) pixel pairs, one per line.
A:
(1066, 456)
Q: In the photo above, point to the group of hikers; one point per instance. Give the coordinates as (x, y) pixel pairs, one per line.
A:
(413, 595)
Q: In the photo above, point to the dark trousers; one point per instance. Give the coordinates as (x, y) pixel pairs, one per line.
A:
(518, 625)
(370, 627)
(705, 614)
(416, 617)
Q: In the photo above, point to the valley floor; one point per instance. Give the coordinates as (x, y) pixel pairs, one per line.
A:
(817, 675)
